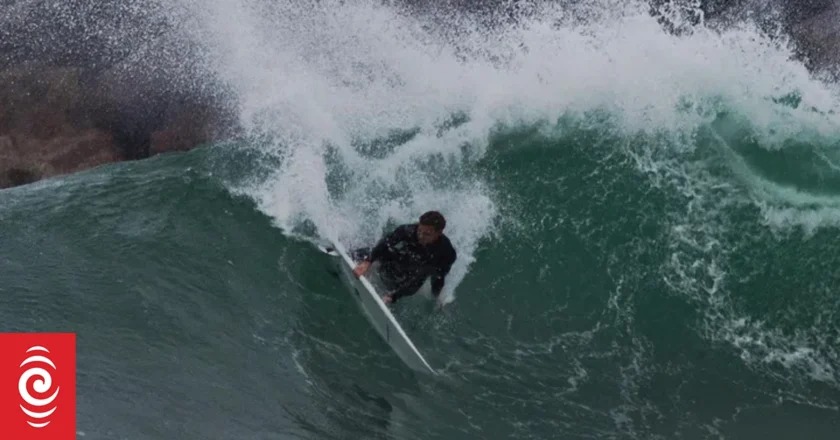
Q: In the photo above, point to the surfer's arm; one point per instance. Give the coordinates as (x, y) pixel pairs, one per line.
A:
(440, 273)
(437, 282)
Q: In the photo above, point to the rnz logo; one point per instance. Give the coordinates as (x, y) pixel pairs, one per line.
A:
(36, 387)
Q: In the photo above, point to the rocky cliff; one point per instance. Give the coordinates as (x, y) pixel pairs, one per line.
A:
(54, 122)
(86, 83)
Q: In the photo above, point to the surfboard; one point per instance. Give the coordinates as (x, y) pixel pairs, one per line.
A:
(376, 311)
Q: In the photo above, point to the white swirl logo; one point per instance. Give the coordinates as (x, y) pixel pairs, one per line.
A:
(41, 385)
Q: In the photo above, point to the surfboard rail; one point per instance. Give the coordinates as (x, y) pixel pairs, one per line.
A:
(403, 347)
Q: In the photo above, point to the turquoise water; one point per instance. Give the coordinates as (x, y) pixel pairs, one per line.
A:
(646, 228)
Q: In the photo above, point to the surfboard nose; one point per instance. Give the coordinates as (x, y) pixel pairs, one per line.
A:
(329, 250)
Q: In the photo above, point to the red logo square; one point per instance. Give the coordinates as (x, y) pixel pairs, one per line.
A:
(38, 386)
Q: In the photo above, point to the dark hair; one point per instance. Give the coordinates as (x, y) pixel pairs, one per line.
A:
(434, 219)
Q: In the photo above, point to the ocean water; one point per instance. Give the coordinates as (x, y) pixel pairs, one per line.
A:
(647, 229)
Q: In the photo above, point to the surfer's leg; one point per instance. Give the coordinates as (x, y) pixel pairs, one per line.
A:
(407, 289)
(387, 283)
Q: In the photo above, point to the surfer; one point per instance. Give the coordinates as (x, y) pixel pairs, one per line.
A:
(409, 255)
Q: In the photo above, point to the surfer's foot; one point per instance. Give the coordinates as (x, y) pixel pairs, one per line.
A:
(387, 299)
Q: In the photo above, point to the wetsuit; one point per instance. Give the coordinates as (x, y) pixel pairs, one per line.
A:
(405, 263)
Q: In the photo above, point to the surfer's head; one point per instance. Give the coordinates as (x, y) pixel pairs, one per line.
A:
(430, 227)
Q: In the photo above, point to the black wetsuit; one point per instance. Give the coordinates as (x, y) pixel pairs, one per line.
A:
(405, 263)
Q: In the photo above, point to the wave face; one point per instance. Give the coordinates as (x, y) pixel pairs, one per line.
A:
(646, 225)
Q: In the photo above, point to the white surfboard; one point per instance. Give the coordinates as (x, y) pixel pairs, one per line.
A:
(377, 312)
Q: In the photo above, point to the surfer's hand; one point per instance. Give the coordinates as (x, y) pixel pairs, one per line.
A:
(361, 268)
(387, 299)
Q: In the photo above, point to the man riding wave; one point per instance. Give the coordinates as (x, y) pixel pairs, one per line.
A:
(410, 254)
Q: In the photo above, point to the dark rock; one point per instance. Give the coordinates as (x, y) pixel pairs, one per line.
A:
(50, 124)
(818, 37)
(18, 176)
